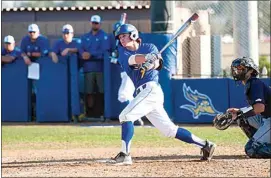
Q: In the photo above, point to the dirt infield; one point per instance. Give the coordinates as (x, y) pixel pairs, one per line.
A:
(148, 162)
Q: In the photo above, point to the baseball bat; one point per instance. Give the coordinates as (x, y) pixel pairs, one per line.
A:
(114, 54)
(122, 21)
(191, 20)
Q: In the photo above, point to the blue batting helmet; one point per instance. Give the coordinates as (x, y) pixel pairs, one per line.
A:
(241, 66)
(127, 28)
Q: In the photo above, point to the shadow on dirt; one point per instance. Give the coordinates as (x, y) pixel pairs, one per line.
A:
(172, 158)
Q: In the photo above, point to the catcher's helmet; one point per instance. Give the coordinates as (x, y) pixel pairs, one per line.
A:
(240, 67)
(127, 28)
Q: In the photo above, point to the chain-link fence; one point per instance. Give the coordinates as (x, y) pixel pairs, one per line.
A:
(225, 30)
(207, 49)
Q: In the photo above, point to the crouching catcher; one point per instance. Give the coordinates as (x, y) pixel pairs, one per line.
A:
(254, 120)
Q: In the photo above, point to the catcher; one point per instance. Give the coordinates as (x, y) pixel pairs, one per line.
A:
(254, 119)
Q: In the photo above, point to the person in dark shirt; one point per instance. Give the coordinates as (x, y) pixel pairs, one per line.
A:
(254, 119)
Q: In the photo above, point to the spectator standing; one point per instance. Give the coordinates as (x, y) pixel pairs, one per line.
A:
(95, 44)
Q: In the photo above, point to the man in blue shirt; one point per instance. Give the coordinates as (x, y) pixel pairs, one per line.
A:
(254, 119)
(35, 45)
(10, 52)
(134, 57)
(67, 44)
(95, 44)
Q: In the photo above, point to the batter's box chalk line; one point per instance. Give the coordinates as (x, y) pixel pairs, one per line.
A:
(104, 161)
(110, 162)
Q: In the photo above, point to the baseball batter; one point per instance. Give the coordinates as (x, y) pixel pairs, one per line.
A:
(134, 56)
(127, 88)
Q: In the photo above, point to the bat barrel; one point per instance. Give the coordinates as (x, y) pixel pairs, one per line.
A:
(192, 19)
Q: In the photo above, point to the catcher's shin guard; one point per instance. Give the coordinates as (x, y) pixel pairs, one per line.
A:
(257, 150)
(246, 128)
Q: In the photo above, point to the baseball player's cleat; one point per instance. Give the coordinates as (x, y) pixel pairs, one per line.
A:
(139, 122)
(207, 151)
(122, 159)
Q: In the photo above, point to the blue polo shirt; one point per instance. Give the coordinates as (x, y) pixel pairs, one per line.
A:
(15, 53)
(61, 45)
(97, 45)
(40, 45)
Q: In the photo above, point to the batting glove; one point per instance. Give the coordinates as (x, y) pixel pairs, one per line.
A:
(151, 57)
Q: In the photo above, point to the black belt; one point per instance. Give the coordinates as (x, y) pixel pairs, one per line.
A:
(139, 89)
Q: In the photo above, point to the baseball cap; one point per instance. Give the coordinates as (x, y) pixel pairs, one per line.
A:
(9, 39)
(95, 18)
(67, 28)
(33, 28)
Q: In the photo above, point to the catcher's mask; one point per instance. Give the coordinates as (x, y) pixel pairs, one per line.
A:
(241, 66)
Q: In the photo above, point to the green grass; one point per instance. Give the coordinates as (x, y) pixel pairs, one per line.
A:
(59, 137)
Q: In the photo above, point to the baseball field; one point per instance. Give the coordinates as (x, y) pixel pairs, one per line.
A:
(76, 150)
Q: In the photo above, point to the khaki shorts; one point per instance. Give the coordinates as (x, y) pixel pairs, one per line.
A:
(94, 82)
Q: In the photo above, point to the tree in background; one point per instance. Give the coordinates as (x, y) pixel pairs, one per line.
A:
(263, 61)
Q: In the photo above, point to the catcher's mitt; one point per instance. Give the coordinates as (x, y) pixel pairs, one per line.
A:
(223, 121)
